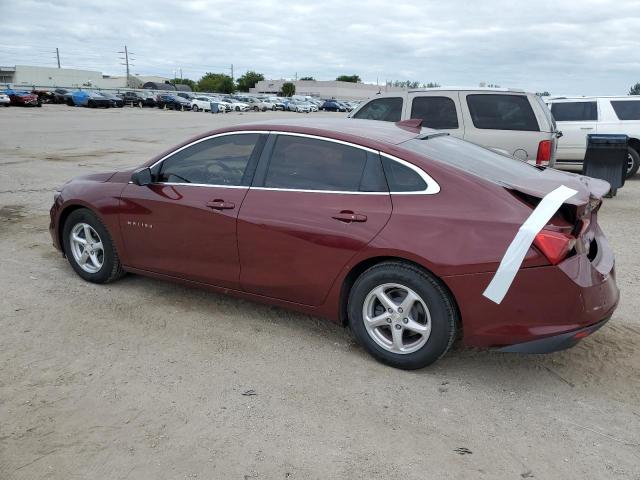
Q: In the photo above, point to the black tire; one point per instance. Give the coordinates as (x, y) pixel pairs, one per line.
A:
(194, 108)
(111, 267)
(635, 157)
(443, 313)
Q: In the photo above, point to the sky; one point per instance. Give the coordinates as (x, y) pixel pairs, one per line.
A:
(573, 47)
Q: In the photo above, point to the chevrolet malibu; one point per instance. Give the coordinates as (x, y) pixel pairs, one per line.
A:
(391, 229)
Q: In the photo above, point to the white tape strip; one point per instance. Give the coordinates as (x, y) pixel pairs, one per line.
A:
(514, 256)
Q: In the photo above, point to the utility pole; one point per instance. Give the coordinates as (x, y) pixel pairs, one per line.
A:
(127, 63)
(180, 73)
(58, 56)
(232, 71)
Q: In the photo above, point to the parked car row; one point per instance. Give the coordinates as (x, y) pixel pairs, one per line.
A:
(190, 101)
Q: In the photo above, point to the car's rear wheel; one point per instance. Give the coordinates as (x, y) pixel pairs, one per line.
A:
(194, 108)
(633, 162)
(402, 315)
(89, 248)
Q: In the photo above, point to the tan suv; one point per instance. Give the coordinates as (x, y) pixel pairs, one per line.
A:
(510, 121)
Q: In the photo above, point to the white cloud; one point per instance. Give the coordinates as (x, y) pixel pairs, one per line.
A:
(562, 46)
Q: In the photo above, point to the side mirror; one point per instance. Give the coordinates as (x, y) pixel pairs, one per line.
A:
(142, 177)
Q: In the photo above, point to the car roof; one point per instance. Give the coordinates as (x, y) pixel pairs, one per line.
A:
(363, 132)
(595, 97)
(468, 89)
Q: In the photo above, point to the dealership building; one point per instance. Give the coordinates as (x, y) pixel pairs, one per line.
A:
(30, 76)
(325, 89)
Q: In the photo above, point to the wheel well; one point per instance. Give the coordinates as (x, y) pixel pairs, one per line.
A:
(635, 144)
(361, 267)
(63, 219)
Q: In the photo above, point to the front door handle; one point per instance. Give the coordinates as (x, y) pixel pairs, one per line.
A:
(347, 216)
(219, 204)
(586, 128)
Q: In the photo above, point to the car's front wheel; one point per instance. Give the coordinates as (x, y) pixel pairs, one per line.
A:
(89, 248)
(402, 315)
(194, 108)
(633, 162)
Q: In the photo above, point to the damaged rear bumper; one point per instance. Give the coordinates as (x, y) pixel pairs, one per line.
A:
(554, 343)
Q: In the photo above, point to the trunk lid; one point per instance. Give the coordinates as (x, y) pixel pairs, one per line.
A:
(550, 179)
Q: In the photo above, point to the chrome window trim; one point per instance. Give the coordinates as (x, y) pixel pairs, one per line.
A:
(173, 184)
(432, 186)
(326, 139)
(299, 190)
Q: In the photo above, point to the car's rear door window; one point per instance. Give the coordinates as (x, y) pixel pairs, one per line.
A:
(574, 111)
(435, 112)
(627, 109)
(225, 161)
(502, 112)
(303, 163)
(388, 109)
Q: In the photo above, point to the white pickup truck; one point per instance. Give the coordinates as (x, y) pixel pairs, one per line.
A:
(576, 117)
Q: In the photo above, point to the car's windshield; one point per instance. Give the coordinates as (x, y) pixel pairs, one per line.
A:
(472, 158)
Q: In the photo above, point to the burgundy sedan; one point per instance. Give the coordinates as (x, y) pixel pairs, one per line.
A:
(393, 230)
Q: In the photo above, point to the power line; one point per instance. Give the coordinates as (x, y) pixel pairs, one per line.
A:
(126, 60)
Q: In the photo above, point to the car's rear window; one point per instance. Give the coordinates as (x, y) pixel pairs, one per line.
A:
(627, 109)
(473, 158)
(502, 112)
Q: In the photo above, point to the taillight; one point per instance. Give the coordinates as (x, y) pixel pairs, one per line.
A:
(554, 245)
(544, 153)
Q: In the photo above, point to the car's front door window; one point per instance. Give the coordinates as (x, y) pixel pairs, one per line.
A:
(220, 161)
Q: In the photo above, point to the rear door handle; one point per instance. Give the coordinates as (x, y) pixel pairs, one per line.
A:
(221, 205)
(347, 216)
(586, 128)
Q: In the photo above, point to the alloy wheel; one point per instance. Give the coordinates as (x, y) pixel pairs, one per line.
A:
(396, 318)
(86, 247)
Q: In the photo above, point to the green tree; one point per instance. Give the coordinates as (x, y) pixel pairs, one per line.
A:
(186, 81)
(349, 78)
(288, 89)
(431, 85)
(249, 80)
(635, 90)
(543, 94)
(308, 78)
(216, 82)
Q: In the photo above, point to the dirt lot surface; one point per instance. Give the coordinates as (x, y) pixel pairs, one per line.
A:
(143, 379)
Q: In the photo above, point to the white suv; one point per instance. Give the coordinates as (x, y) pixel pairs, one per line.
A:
(506, 120)
(577, 117)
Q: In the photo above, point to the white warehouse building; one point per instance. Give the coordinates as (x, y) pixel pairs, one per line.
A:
(33, 76)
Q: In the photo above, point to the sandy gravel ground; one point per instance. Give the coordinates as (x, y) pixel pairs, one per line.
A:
(143, 379)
